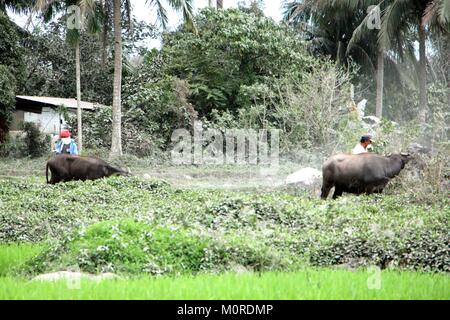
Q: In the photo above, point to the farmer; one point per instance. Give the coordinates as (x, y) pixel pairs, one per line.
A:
(363, 144)
(65, 144)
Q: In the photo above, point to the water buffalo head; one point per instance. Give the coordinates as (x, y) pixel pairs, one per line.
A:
(403, 156)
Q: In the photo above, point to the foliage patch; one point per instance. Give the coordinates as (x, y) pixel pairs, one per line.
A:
(271, 230)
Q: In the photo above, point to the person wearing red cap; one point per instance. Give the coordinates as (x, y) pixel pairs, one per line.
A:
(66, 145)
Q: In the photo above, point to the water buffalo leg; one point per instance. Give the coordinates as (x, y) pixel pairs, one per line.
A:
(337, 192)
(325, 190)
(54, 177)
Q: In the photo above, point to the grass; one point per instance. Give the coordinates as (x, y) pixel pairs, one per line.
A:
(306, 284)
(14, 254)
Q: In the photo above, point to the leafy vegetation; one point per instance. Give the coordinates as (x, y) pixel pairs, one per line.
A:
(233, 51)
(287, 231)
(231, 68)
(37, 144)
(12, 71)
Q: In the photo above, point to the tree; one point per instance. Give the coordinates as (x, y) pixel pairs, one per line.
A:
(50, 65)
(12, 71)
(398, 17)
(338, 29)
(185, 6)
(328, 26)
(85, 11)
(235, 55)
(79, 12)
(402, 16)
(116, 143)
(363, 31)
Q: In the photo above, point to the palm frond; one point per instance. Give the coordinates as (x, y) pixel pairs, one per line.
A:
(87, 6)
(161, 12)
(186, 7)
(437, 12)
(72, 37)
(365, 58)
(430, 12)
(293, 10)
(359, 33)
(393, 20)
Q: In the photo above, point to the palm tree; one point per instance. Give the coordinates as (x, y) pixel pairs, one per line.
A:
(219, 4)
(116, 144)
(328, 26)
(87, 13)
(363, 31)
(400, 17)
(185, 6)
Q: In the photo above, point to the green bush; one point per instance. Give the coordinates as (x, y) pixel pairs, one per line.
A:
(13, 147)
(133, 247)
(31, 211)
(37, 144)
(33, 143)
(233, 54)
(272, 230)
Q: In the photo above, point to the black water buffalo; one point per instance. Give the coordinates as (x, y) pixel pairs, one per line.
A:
(361, 173)
(67, 167)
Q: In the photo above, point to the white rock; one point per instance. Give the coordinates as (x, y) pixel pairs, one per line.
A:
(361, 107)
(305, 176)
(73, 276)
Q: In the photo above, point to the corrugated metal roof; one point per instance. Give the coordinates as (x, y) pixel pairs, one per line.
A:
(68, 103)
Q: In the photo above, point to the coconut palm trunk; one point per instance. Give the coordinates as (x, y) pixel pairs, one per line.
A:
(219, 4)
(104, 39)
(116, 144)
(380, 83)
(423, 99)
(78, 76)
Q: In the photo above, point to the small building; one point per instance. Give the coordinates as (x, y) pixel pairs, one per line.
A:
(45, 112)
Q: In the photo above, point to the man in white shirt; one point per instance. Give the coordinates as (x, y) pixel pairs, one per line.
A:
(361, 147)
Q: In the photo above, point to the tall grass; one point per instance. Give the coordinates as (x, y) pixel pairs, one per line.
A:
(12, 255)
(305, 284)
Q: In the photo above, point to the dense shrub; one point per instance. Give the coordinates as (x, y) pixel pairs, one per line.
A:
(32, 143)
(12, 71)
(222, 67)
(271, 230)
(233, 51)
(37, 143)
(129, 246)
(13, 147)
(426, 176)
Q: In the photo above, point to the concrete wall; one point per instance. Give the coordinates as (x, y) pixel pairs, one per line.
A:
(18, 116)
(47, 121)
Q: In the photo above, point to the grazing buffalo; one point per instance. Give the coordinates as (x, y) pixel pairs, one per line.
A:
(361, 173)
(67, 167)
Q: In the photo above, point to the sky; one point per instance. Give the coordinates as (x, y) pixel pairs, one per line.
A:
(142, 11)
(272, 8)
